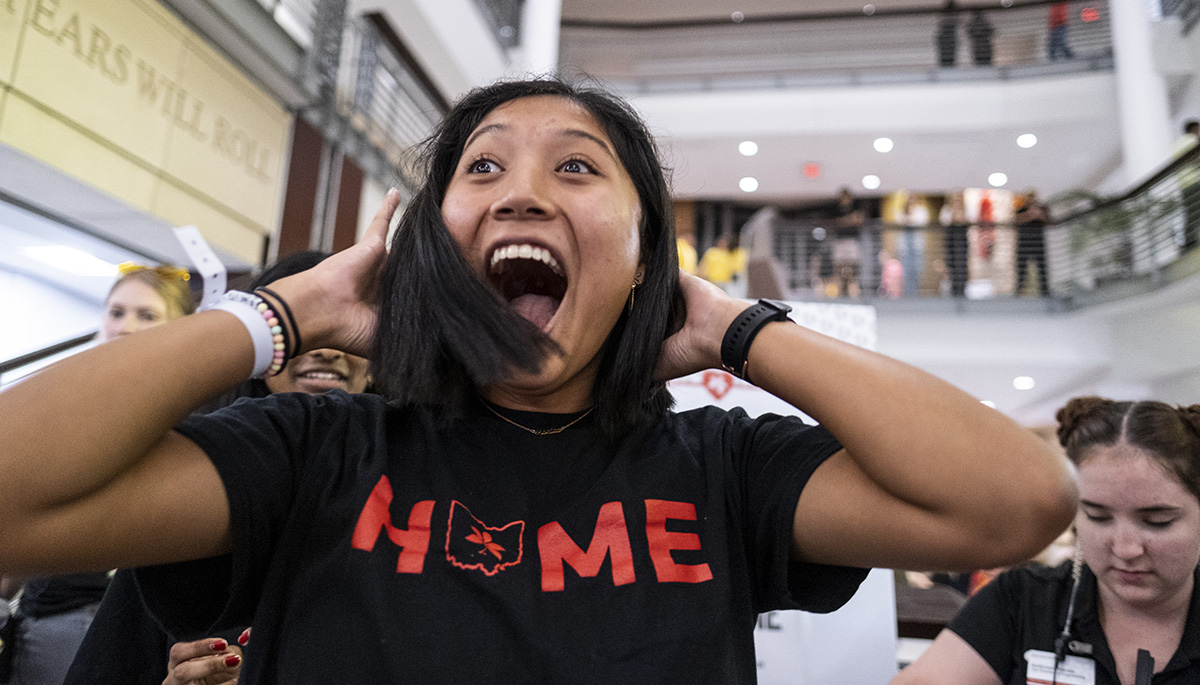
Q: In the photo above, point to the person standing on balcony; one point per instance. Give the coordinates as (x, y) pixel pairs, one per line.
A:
(955, 223)
(1059, 18)
(1031, 240)
(946, 38)
(981, 32)
(1188, 179)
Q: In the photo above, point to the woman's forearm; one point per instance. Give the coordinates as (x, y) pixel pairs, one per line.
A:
(77, 426)
(966, 484)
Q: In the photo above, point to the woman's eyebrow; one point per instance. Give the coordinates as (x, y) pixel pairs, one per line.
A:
(564, 133)
(486, 129)
(578, 133)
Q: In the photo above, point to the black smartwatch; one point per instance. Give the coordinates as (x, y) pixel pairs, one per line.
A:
(735, 347)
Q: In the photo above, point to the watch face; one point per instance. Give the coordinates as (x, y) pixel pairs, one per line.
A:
(782, 307)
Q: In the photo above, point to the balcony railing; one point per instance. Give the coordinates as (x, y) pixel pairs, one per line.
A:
(1100, 250)
(382, 96)
(887, 46)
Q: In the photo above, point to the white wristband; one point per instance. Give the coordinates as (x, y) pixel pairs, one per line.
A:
(245, 307)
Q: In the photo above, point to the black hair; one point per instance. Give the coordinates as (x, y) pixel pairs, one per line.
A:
(282, 268)
(443, 331)
(1169, 434)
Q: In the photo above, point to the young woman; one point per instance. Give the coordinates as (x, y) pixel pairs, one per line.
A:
(144, 297)
(55, 611)
(523, 504)
(1134, 583)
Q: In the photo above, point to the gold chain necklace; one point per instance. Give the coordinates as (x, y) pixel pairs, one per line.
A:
(544, 431)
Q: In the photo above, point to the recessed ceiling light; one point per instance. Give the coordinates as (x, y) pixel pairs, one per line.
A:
(748, 184)
(868, 10)
(748, 148)
(883, 144)
(988, 403)
(870, 181)
(1027, 140)
(737, 17)
(71, 260)
(1023, 383)
(998, 179)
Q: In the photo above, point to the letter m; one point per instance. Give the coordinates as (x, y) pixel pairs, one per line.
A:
(376, 516)
(610, 539)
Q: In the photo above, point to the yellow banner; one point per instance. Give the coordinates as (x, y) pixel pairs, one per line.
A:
(122, 95)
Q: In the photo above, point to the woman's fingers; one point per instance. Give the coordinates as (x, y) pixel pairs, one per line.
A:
(378, 228)
(697, 345)
(210, 661)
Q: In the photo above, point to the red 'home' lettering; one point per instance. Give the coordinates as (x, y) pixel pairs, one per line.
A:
(376, 516)
(662, 542)
(611, 538)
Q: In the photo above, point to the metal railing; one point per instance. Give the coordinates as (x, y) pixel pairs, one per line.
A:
(1188, 12)
(1137, 239)
(297, 17)
(888, 46)
(1100, 250)
(381, 97)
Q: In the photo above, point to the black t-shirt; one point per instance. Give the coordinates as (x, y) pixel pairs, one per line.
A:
(1025, 609)
(59, 594)
(372, 545)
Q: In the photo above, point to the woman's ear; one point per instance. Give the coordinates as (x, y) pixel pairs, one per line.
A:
(640, 275)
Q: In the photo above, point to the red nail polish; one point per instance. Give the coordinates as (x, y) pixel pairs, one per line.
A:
(233, 660)
(244, 637)
(218, 645)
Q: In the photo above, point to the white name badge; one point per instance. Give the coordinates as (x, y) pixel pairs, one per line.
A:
(1073, 670)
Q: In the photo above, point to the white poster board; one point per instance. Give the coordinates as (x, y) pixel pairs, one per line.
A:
(857, 643)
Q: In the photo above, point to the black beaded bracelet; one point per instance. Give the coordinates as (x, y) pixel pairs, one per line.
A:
(735, 347)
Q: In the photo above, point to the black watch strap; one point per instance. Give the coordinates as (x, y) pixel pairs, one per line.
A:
(735, 347)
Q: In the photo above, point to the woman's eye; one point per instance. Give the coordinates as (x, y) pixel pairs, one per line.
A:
(575, 166)
(1159, 524)
(115, 313)
(1097, 518)
(483, 166)
(148, 317)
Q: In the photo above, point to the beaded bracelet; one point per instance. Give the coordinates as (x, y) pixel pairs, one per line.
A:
(291, 321)
(266, 331)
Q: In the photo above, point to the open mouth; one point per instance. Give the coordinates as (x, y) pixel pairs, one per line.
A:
(530, 279)
(323, 376)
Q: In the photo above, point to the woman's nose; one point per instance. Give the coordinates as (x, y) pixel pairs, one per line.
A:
(1127, 543)
(524, 196)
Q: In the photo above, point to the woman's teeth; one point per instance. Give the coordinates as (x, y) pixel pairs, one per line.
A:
(322, 375)
(525, 251)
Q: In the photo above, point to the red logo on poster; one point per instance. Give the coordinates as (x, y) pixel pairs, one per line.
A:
(718, 383)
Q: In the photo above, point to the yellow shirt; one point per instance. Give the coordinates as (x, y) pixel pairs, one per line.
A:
(719, 265)
(687, 255)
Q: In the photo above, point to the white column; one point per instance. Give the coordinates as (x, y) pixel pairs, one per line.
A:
(1141, 91)
(540, 23)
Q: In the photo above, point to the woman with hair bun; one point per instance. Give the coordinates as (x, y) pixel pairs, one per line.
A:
(1126, 610)
(521, 504)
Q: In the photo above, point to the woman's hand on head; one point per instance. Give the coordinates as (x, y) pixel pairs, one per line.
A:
(336, 302)
(697, 346)
(208, 661)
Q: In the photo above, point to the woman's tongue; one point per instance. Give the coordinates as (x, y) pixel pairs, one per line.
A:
(537, 309)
